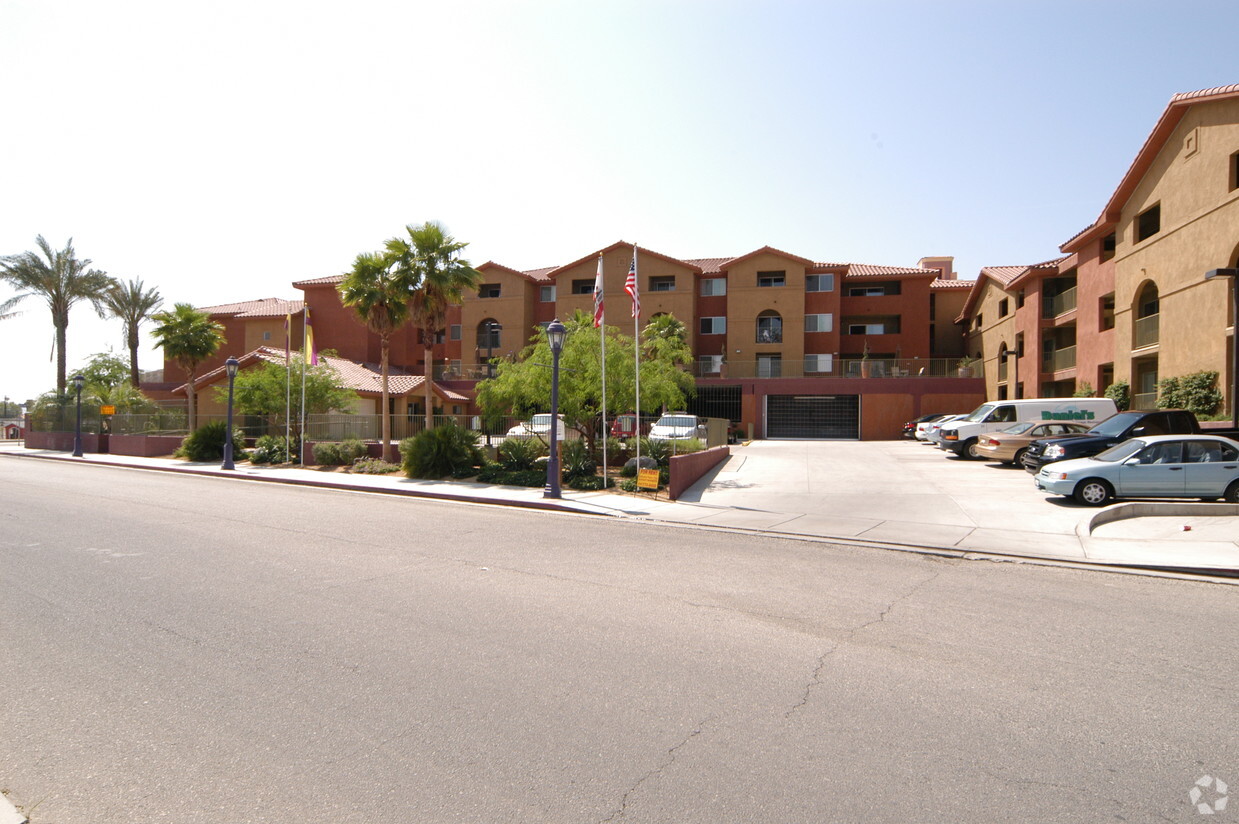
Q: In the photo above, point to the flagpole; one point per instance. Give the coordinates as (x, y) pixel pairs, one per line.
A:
(636, 337)
(600, 320)
(307, 343)
(288, 387)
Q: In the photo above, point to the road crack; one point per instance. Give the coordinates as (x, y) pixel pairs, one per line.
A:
(668, 760)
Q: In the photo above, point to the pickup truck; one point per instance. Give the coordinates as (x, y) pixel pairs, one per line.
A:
(1111, 431)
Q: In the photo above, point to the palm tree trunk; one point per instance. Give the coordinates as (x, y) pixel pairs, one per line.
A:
(133, 358)
(430, 371)
(385, 342)
(193, 401)
(62, 324)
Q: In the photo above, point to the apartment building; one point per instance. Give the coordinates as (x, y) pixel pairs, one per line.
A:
(1128, 300)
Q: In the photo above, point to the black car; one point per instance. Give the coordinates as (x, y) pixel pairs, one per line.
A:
(909, 428)
(1111, 431)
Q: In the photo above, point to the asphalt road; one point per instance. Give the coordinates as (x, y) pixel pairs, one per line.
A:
(179, 649)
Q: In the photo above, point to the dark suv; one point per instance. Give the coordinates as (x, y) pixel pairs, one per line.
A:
(1111, 431)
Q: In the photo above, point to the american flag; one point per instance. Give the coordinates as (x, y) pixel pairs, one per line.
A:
(598, 314)
(630, 285)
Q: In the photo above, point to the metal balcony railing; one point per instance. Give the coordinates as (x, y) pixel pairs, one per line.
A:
(1147, 331)
(838, 368)
(1059, 359)
(1059, 304)
(1144, 400)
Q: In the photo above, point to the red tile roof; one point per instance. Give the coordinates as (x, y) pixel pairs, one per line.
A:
(940, 283)
(554, 272)
(362, 378)
(301, 284)
(708, 266)
(265, 308)
(770, 250)
(868, 270)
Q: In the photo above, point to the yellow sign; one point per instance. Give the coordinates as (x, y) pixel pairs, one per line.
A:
(107, 410)
(647, 479)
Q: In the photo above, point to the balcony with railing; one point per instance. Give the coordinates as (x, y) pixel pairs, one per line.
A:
(836, 368)
(1055, 305)
(1147, 332)
(1059, 359)
(1144, 400)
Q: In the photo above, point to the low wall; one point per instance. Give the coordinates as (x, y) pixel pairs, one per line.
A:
(145, 446)
(63, 441)
(686, 470)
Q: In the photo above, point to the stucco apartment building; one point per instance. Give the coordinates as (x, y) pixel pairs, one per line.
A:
(786, 346)
(1128, 299)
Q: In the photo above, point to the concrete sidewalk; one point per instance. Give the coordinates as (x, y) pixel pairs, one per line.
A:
(890, 494)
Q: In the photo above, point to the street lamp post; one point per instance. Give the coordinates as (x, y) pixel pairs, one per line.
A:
(1234, 338)
(231, 366)
(78, 380)
(555, 332)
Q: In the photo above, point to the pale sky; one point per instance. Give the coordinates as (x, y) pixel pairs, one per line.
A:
(221, 151)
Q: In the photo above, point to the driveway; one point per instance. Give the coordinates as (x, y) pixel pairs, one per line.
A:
(900, 491)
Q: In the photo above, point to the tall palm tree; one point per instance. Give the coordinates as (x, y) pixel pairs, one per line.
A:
(7, 306)
(188, 337)
(132, 304)
(429, 265)
(381, 301)
(61, 280)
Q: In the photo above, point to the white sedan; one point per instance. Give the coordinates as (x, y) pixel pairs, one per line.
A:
(1154, 466)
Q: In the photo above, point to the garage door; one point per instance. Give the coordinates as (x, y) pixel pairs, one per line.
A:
(813, 416)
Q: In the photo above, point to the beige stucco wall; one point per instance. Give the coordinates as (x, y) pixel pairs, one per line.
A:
(746, 300)
(993, 333)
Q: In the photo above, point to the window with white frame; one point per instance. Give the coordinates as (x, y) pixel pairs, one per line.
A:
(819, 283)
(770, 280)
(819, 364)
(714, 326)
(453, 332)
(819, 323)
(710, 364)
(866, 329)
(713, 287)
(546, 294)
(662, 283)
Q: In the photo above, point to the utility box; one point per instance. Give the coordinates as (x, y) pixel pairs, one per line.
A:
(716, 431)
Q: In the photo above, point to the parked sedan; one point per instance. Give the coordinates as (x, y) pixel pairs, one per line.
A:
(1155, 466)
(1008, 445)
(539, 426)
(909, 428)
(927, 430)
(679, 427)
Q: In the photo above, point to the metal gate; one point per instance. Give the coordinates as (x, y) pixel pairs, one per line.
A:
(813, 416)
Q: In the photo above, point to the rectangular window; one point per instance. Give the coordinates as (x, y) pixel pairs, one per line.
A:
(488, 290)
(454, 332)
(439, 336)
(977, 323)
(546, 294)
(769, 366)
(874, 290)
(710, 364)
(583, 286)
(1149, 223)
(1107, 311)
(662, 284)
(1003, 308)
(819, 364)
(866, 329)
(1234, 171)
(1107, 246)
(770, 280)
(819, 323)
(1019, 299)
(819, 283)
(713, 287)
(266, 336)
(714, 326)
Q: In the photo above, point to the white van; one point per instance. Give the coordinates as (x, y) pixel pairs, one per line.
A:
(960, 436)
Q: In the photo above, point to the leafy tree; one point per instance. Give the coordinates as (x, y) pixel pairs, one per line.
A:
(188, 337)
(1120, 393)
(429, 266)
(61, 280)
(104, 370)
(381, 301)
(133, 304)
(524, 387)
(1196, 392)
(263, 390)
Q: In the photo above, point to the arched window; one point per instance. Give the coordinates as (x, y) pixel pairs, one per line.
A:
(488, 334)
(769, 327)
(1146, 331)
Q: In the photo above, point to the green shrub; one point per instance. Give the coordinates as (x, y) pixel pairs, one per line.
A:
(690, 445)
(526, 477)
(206, 443)
(1197, 392)
(577, 462)
(629, 485)
(342, 453)
(327, 453)
(516, 454)
(441, 451)
(660, 451)
(1120, 393)
(1084, 390)
(461, 472)
(590, 483)
(269, 449)
(374, 466)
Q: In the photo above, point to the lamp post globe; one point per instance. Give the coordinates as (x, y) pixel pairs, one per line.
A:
(78, 380)
(555, 333)
(230, 366)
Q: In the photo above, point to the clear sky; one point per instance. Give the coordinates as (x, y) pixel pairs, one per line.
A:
(222, 150)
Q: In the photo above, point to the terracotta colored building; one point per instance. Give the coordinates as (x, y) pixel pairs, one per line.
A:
(1129, 300)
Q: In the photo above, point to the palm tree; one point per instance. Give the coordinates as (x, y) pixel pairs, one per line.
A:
(381, 301)
(429, 265)
(132, 304)
(188, 337)
(61, 280)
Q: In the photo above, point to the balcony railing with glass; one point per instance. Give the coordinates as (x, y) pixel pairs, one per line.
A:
(1147, 331)
(1059, 359)
(1059, 304)
(1144, 400)
(838, 368)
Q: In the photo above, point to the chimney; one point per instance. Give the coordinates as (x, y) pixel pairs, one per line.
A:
(945, 266)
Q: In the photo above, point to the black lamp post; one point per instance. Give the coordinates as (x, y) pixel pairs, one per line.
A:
(231, 366)
(78, 380)
(1234, 358)
(555, 333)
